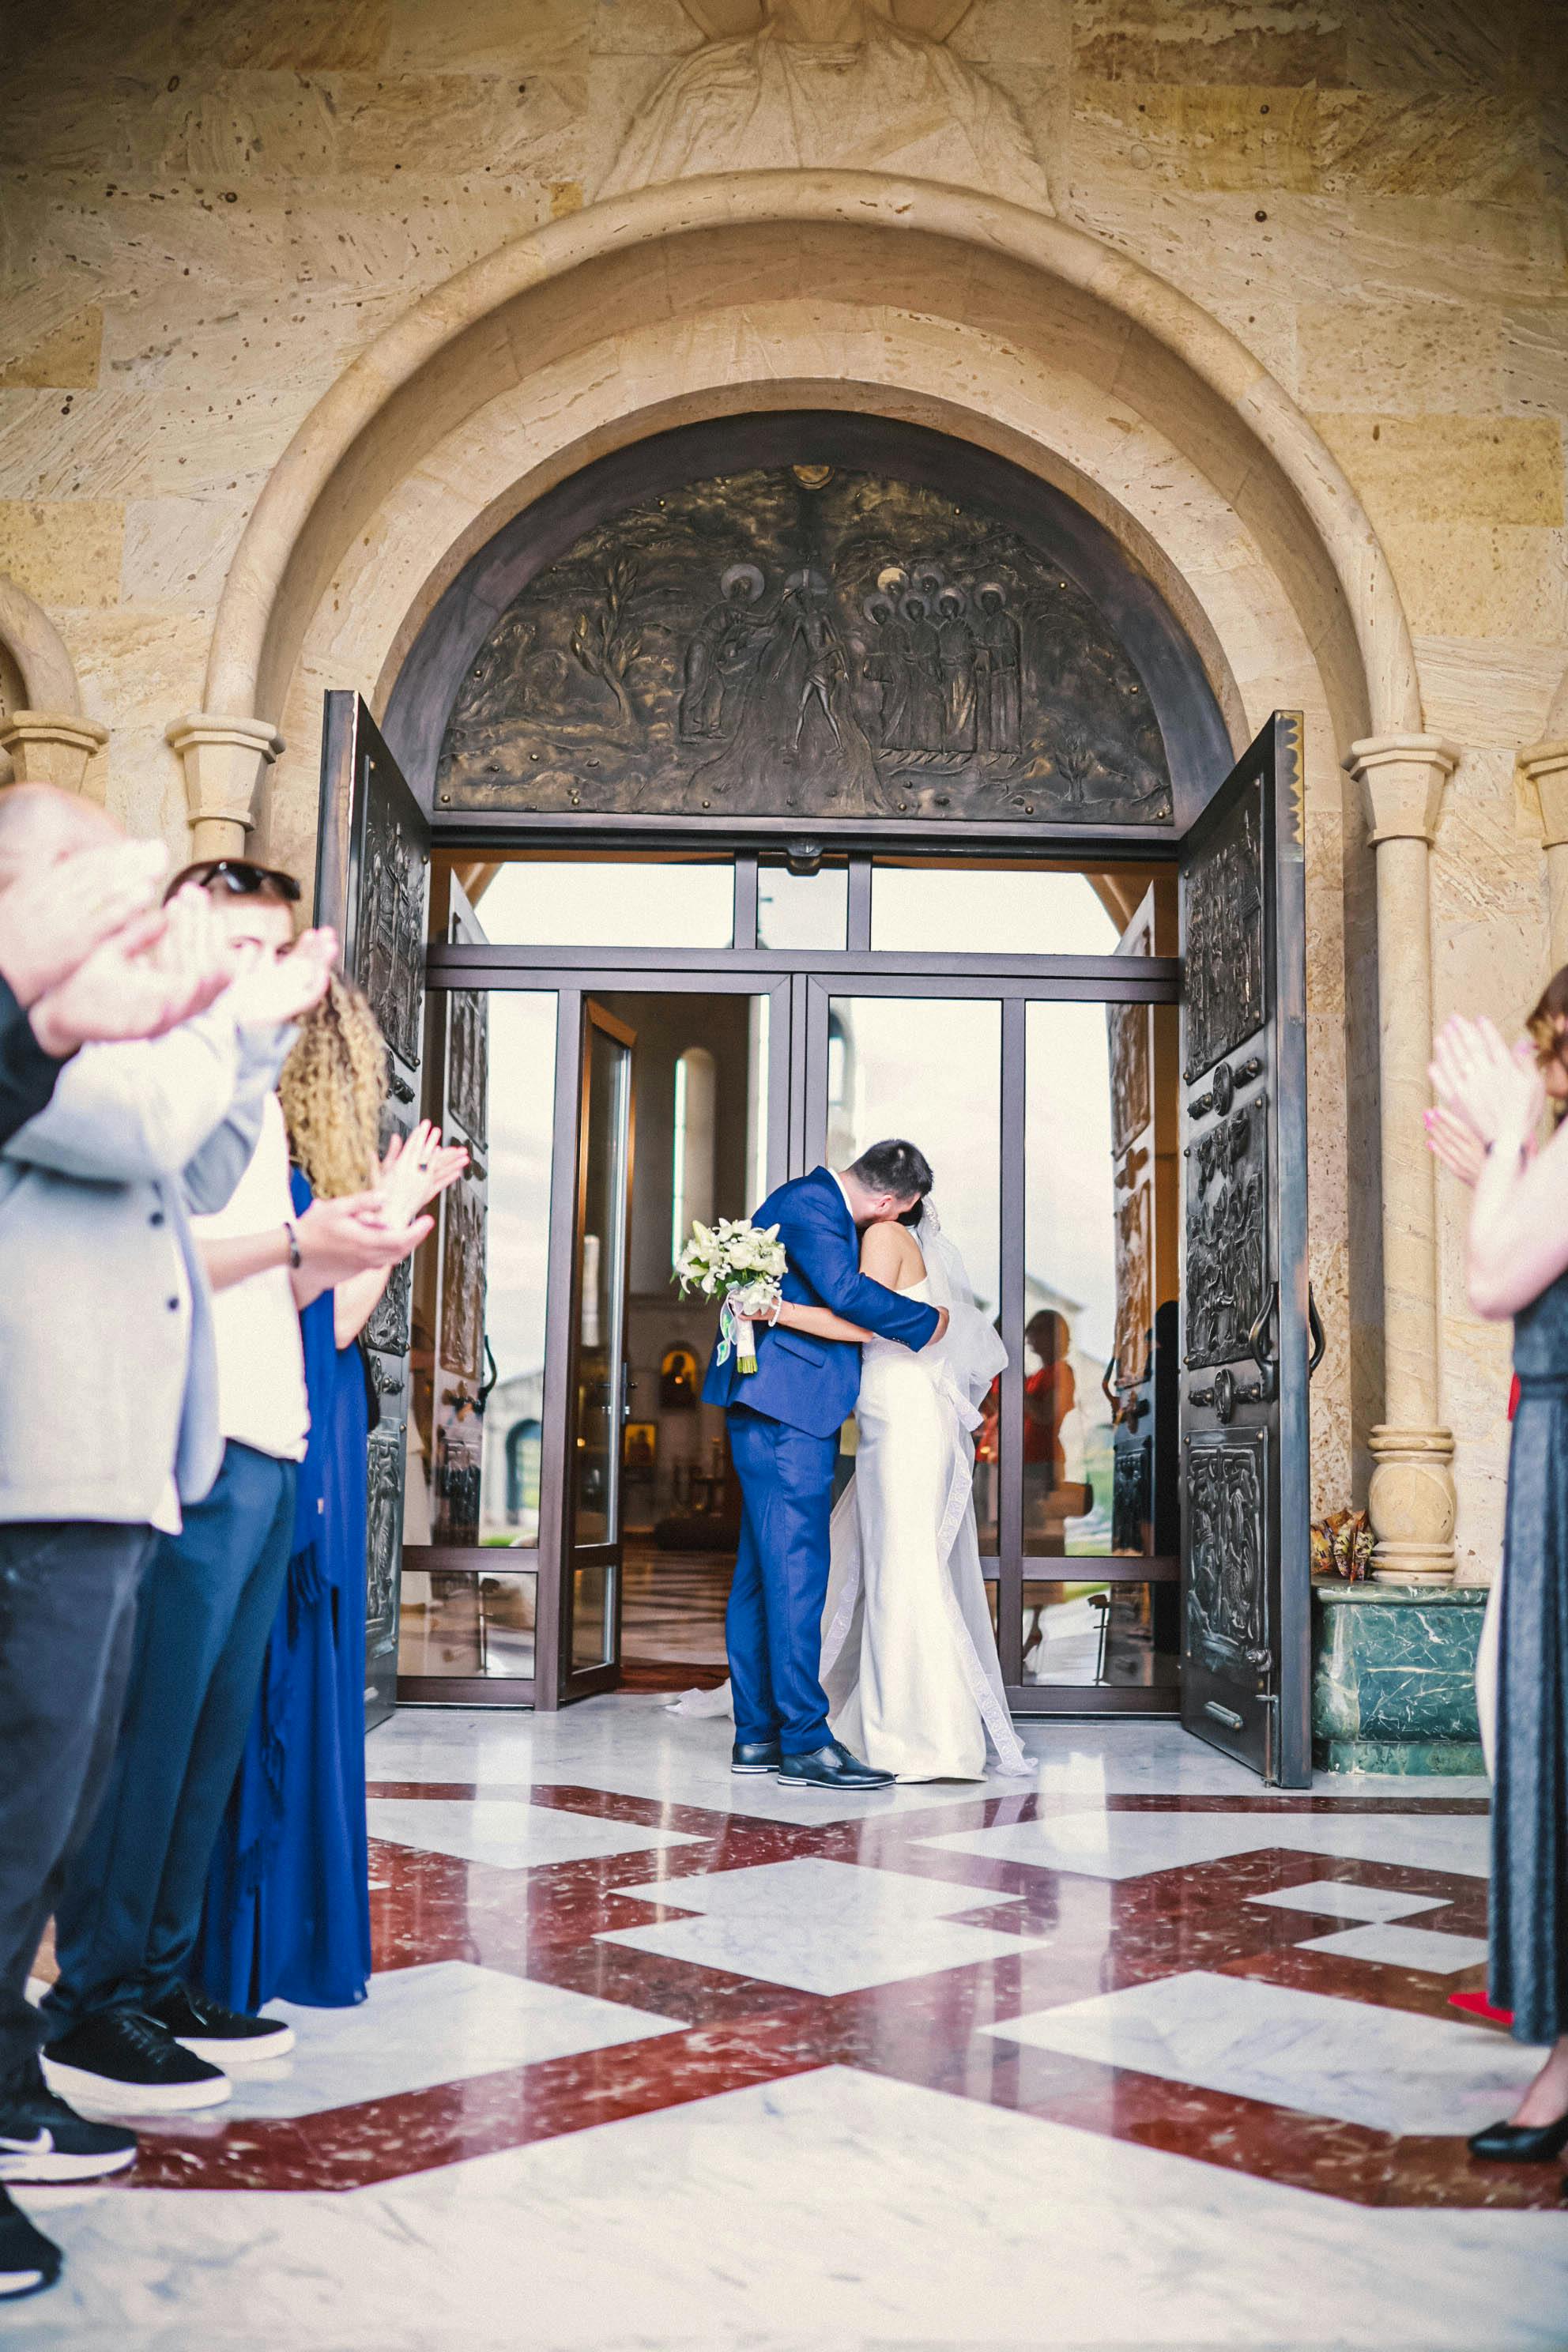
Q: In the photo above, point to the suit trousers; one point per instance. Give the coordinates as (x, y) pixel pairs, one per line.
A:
(127, 1918)
(68, 1615)
(773, 1626)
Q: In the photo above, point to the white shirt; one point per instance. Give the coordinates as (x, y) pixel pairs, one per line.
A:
(260, 1357)
(845, 1190)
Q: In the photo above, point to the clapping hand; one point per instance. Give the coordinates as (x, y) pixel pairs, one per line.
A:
(154, 972)
(51, 920)
(1455, 1143)
(270, 990)
(1493, 1091)
(349, 1235)
(414, 1169)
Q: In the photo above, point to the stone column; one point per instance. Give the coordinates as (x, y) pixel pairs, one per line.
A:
(1544, 767)
(50, 746)
(224, 760)
(1411, 1498)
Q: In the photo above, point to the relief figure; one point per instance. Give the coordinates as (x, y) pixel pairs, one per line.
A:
(956, 648)
(999, 672)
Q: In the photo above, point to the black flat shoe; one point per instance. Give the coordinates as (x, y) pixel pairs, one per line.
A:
(1520, 2143)
(832, 1766)
(754, 1756)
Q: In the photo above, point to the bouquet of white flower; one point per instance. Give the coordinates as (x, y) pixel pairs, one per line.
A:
(743, 1260)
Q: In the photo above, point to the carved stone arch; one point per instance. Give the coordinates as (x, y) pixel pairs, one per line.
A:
(44, 738)
(692, 261)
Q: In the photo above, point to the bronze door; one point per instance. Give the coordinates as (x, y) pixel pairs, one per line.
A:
(373, 874)
(597, 1398)
(1246, 1577)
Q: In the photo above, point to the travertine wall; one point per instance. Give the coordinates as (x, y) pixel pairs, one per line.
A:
(212, 211)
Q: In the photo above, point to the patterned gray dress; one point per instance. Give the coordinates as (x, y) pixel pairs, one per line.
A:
(1529, 1969)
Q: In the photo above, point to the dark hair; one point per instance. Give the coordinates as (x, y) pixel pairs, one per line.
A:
(241, 877)
(900, 1169)
(1546, 1033)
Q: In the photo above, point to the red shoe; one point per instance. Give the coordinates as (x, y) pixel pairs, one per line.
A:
(1476, 2004)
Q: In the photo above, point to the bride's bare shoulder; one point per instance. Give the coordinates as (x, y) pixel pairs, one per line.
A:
(890, 1253)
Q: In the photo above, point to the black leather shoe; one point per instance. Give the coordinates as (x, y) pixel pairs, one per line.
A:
(754, 1756)
(1520, 2143)
(832, 1766)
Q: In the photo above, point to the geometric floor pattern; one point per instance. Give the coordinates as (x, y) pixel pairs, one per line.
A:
(1134, 2052)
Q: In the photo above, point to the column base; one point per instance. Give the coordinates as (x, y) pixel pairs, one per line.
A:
(1411, 1504)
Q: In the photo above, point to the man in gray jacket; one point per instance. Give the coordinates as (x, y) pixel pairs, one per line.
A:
(107, 1423)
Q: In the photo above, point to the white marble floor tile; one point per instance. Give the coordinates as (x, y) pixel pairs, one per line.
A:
(1440, 1954)
(1131, 1845)
(1382, 2067)
(1341, 1898)
(443, 2022)
(820, 1926)
(835, 2211)
(509, 1834)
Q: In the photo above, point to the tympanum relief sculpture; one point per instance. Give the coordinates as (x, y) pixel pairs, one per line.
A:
(792, 85)
(806, 640)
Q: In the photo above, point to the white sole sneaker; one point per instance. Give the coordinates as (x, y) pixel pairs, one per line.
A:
(19, 2283)
(238, 2053)
(45, 2170)
(104, 2095)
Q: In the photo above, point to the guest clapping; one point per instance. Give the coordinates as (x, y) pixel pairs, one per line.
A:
(1518, 1267)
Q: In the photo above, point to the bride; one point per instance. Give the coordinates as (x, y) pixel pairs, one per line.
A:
(909, 1656)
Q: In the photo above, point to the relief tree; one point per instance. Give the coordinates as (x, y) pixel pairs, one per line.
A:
(603, 642)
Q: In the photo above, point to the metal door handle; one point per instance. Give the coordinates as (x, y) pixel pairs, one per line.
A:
(1315, 1325)
(1258, 1340)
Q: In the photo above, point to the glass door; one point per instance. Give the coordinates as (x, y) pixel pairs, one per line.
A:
(598, 1399)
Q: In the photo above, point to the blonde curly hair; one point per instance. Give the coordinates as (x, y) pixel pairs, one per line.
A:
(333, 1087)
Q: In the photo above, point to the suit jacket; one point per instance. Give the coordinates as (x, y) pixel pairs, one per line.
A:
(103, 1392)
(807, 1383)
(28, 1074)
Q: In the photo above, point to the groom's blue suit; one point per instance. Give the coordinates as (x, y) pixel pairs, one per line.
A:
(784, 1420)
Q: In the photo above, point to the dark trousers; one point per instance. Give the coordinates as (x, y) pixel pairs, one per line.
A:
(773, 1626)
(127, 1919)
(68, 1612)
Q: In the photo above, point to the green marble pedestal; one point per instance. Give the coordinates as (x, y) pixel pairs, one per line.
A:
(1394, 1677)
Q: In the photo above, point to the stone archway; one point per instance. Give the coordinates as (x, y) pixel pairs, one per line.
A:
(698, 299)
(963, 313)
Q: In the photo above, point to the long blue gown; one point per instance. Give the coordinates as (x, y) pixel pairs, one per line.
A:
(1529, 1969)
(287, 1914)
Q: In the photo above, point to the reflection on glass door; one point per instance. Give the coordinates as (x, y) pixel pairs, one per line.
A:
(468, 1607)
(930, 1069)
(597, 1398)
(1089, 1329)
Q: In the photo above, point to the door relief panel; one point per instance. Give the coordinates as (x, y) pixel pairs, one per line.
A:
(1228, 1599)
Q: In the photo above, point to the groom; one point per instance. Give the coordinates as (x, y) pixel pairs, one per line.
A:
(784, 1420)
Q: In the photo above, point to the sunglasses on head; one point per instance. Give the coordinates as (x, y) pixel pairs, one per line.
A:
(239, 878)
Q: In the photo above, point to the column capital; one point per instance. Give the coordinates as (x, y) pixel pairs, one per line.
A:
(1404, 776)
(50, 746)
(224, 760)
(1544, 767)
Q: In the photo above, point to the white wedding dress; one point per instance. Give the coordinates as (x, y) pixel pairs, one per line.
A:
(909, 1655)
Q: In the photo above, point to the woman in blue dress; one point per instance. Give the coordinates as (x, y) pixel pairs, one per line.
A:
(288, 1903)
(1518, 1267)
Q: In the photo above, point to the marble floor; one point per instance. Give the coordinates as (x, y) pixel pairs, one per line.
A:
(1135, 2054)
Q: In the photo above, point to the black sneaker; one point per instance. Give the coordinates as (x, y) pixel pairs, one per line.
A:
(28, 2260)
(223, 2037)
(131, 2065)
(43, 2139)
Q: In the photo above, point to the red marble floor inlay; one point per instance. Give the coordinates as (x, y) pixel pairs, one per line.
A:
(739, 2031)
